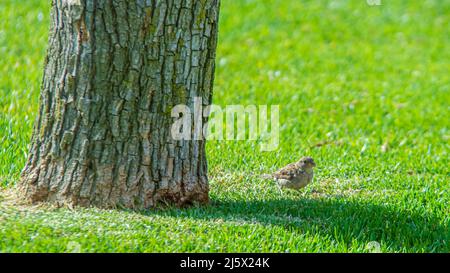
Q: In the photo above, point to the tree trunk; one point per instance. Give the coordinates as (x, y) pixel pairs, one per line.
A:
(113, 72)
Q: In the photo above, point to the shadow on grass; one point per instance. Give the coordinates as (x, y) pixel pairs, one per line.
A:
(343, 220)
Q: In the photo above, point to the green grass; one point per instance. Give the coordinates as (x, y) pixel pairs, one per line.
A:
(372, 83)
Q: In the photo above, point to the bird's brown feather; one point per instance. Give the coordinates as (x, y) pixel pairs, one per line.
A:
(288, 172)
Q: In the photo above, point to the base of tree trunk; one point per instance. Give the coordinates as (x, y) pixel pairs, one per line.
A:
(31, 192)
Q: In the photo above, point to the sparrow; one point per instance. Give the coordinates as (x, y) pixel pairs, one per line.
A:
(295, 176)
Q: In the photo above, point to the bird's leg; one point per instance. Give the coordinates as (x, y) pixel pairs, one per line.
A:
(279, 189)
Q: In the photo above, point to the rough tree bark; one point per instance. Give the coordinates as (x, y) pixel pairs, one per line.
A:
(113, 72)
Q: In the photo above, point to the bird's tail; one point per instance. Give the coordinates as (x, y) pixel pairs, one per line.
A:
(266, 176)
